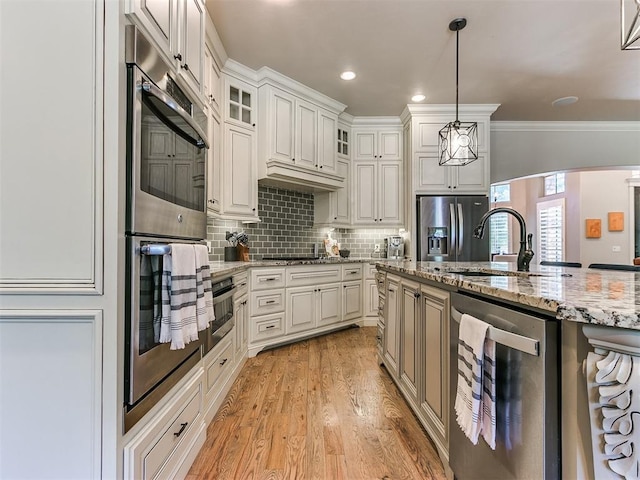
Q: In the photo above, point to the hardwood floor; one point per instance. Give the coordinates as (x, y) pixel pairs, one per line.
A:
(317, 409)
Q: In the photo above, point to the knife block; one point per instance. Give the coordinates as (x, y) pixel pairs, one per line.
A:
(243, 253)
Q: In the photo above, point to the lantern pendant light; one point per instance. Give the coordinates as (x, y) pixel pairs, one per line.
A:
(458, 141)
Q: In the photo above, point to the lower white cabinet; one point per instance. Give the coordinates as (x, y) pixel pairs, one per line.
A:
(167, 446)
(409, 338)
(311, 307)
(391, 330)
(351, 300)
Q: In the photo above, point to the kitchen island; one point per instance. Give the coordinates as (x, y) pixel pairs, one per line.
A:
(583, 303)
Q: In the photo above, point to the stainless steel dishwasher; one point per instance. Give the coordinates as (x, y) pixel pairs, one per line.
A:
(527, 401)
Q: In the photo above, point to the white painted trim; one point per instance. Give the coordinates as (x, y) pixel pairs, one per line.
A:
(565, 126)
(376, 122)
(449, 109)
(240, 71)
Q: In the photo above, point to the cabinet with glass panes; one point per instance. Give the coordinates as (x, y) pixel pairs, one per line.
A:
(240, 100)
(343, 142)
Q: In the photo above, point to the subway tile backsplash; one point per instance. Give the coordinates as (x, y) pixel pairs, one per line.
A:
(287, 229)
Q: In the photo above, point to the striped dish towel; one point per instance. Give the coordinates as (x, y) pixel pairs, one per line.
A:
(204, 296)
(180, 325)
(468, 404)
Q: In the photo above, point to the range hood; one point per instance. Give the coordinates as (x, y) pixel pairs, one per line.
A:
(293, 177)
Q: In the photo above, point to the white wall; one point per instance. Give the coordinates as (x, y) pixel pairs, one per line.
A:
(600, 193)
(520, 149)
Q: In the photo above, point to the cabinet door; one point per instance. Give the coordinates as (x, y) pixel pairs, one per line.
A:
(371, 298)
(365, 145)
(431, 177)
(351, 300)
(241, 319)
(391, 331)
(409, 339)
(327, 125)
(300, 313)
(389, 193)
(365, 192)
(329, 304)
(211, 81)
(282, 122)
(239, 103)
(306, 135)
(192, 38)
(239, 186)
(389, 145)
(434, 384)
(214, 166)
(159, 18)
(341, 196)
(473, 177)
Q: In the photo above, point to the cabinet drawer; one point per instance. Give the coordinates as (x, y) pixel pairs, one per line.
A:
(267, 301)
(219, 365)
(352, 272)
(241, 282)
(267, 326)
(315, 275)
(264, 278)
(177, 430)
(370, 270)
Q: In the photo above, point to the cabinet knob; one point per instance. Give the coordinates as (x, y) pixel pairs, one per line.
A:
(253, 125)
(416, 294)
(375, 219)
(455, 186)
(185, 66)
(178, 57)
(212, 201)
(335, 218)
(254, 209)
(293, 159)
(320, 166)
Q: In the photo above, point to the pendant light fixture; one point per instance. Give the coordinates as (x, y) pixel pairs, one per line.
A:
(630, 24)
(458, 141)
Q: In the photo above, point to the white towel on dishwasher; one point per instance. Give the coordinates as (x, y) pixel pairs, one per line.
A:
(204, 296)
(181, 265)
(468, 404)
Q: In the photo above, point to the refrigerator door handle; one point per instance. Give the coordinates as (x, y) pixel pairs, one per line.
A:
(461, 232)
(454, 230)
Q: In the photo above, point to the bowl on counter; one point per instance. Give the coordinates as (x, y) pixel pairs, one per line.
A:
(344, 253)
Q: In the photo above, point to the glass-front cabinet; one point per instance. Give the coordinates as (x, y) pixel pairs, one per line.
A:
(240, 105)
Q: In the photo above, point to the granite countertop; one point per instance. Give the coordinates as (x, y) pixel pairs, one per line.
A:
(602, 297)
(229, 268)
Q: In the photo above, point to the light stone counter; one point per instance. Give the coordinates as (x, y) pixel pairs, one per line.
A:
(229, 268)
(603, 297)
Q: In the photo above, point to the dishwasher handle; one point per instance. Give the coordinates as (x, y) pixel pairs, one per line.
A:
(508, 339)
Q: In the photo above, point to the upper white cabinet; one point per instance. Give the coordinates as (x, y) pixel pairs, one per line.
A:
(214, 166)
(344, 139)
(298, 135)
(425, 122)
(240, 98)
(212, 82)
(240, 187)
(434, 178)
(334, 208)
(177, 27)
(378, 144)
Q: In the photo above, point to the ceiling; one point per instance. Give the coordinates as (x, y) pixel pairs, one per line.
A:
(521, 54)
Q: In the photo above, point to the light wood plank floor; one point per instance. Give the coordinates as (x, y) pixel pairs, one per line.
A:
(317, 409)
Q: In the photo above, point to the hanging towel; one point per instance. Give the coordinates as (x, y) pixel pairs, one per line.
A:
(489, 393)
(147, 317)
(204, 300)
(468, 403)
(183, 323)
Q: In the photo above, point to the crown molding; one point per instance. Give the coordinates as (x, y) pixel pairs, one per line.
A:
(376, 122)
(240, 71)
(450, 109)
(565, 126)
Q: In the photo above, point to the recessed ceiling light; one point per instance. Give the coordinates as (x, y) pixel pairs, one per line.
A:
(561, 102)
(347, 75)
(418, 98)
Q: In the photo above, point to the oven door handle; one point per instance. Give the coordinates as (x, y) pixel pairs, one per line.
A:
(227, 294)
(151, 89)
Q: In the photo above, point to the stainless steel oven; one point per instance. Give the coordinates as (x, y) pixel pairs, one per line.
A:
(166, 148)
(222, 291)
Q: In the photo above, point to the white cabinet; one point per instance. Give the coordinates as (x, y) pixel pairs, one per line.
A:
(212, 82)
(334, 208)
(214, 166)
(378, 144)
(410, 339)
(240, 187)
(177, 27)
(434, 178)
(297, 141)
(351, 300)
(344, 138)
(241, 314)
(311, 307)
(392, 324)
(266, 307)
(378, 193)
(370, 306)
(240, 100)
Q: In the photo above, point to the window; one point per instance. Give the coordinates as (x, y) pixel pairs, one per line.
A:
(554, 184)
(499, 225)
(551, 230)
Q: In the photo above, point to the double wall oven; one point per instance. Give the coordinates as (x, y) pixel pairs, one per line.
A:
(166, 192)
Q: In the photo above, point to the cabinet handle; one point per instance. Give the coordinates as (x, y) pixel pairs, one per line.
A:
(375, 219)
(182, 427)
(224, 360)
(269, 302)
(253, 124)
(185, 66)
(270, 279)
(416, 295)
(335, 218)
(270, 326)
(455, 186)
(212, 201)
(320, 166)
(178, 57)
(293, 159)
(254, 209)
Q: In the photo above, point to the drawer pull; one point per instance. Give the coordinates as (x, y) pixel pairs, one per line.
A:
(270, 279)
(224, 360)
(182, 427)
(353, 272)
(269, 326)
(268, 302)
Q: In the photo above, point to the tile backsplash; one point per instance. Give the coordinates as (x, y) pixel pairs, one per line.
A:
(287, 229)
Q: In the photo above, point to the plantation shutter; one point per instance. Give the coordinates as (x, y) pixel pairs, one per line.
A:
(499, 233)
(551, 230)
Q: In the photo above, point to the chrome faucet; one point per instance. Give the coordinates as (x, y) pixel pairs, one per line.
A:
(525, 254)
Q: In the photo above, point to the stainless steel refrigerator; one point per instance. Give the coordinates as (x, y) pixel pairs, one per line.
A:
(445, 229)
